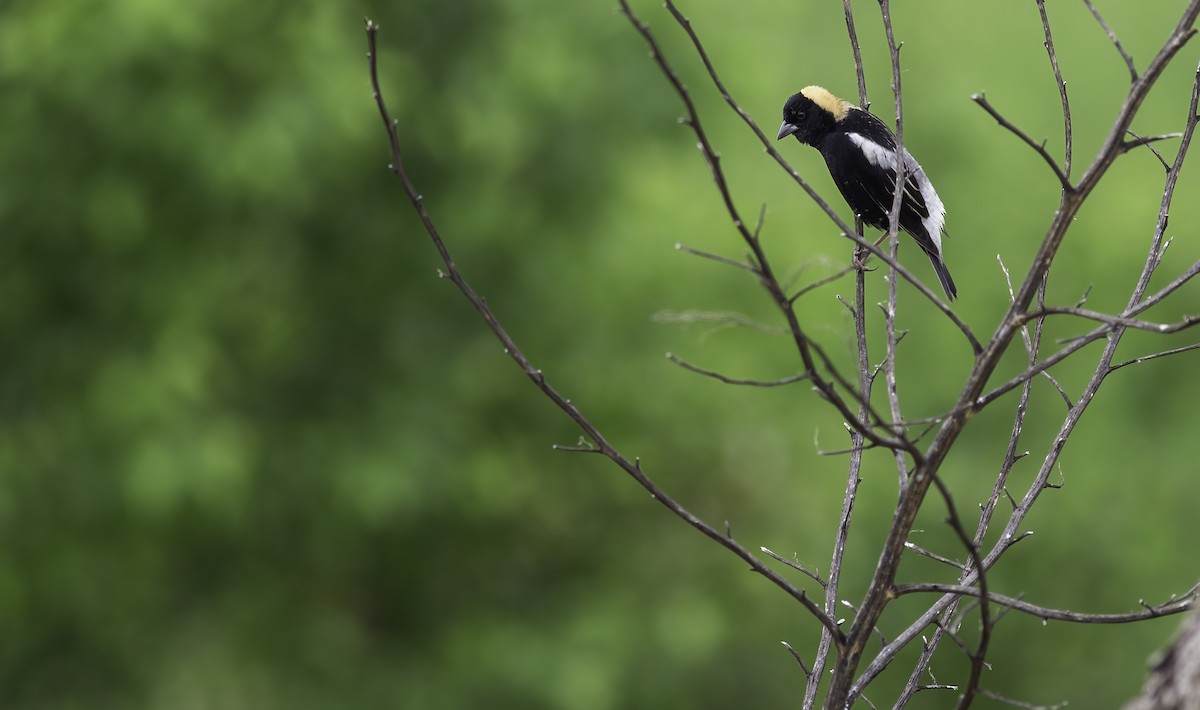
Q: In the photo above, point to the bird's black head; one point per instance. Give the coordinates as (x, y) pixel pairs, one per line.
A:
(811, 114)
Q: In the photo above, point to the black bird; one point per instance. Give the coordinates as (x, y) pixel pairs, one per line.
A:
(860, 151)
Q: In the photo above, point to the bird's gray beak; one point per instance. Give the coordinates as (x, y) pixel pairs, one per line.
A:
(786, 130)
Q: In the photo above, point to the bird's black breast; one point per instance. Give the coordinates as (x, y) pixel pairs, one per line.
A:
(865, 187)
(868, 187)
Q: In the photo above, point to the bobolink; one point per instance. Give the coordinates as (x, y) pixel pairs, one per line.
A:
(860, 151)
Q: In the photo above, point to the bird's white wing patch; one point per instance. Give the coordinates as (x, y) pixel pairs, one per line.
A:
(877, 155)
(937, 211)
(884, 157)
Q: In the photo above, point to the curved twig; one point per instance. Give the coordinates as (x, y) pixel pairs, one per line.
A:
(1039, 148)
(1133, 75)
(1062, 90)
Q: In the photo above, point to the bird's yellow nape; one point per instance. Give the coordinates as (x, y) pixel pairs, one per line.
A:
(821, 97)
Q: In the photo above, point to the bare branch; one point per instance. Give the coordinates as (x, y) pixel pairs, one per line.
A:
(819, 283)
(933, 555)
(732, 381)
(937, 687)
(750, 268)
(1032, 344)
(878, 632)
(889, 311)
(795, 564)
(1133, 75)
(1149, 145)
(1147, 140)
(1175, 605)
(858, 64)
(1039, 148)
(1062, 89)
(632, 468)
(583, 447)
(1040, 483)
(1034, 370)
(1020, 703)
(950, 632)
(788, 646)
(1122, 321)
(865, 382)
(1082, 341)
(843, 452)
(925, 291)
(1176, 283)
(866, 427)
(978, 657)
(762, 219)
(1155, 356)
(853, 479)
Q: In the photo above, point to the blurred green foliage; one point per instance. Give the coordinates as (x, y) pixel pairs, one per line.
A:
(255, 454)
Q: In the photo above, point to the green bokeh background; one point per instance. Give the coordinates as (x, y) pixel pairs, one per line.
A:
(255, 454)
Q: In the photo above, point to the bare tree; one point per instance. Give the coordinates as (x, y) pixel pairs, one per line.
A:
(840, 670)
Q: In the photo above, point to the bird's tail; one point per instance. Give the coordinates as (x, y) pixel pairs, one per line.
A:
(943, 274)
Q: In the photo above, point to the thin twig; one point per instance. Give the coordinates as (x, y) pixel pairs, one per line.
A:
(1020, 703)
(1033, 344)
(795, 564)
(865, 383)
(1172, 606)
(795, 655)
(979, 656)
(819, 283)
(854, 49)
(1139, 141)
(1133, 75)
(1039, 148)
(933, 555)
(1077, 343)
(1062, 89)
(853, 479)
(734, 381)
(889, 311)
(1155, 356)
(581, 448)
(843, 452)
(878, 632)
(937, 687)
(1150, 146)
(1115, 321)
(751, 268)
(950, 632)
